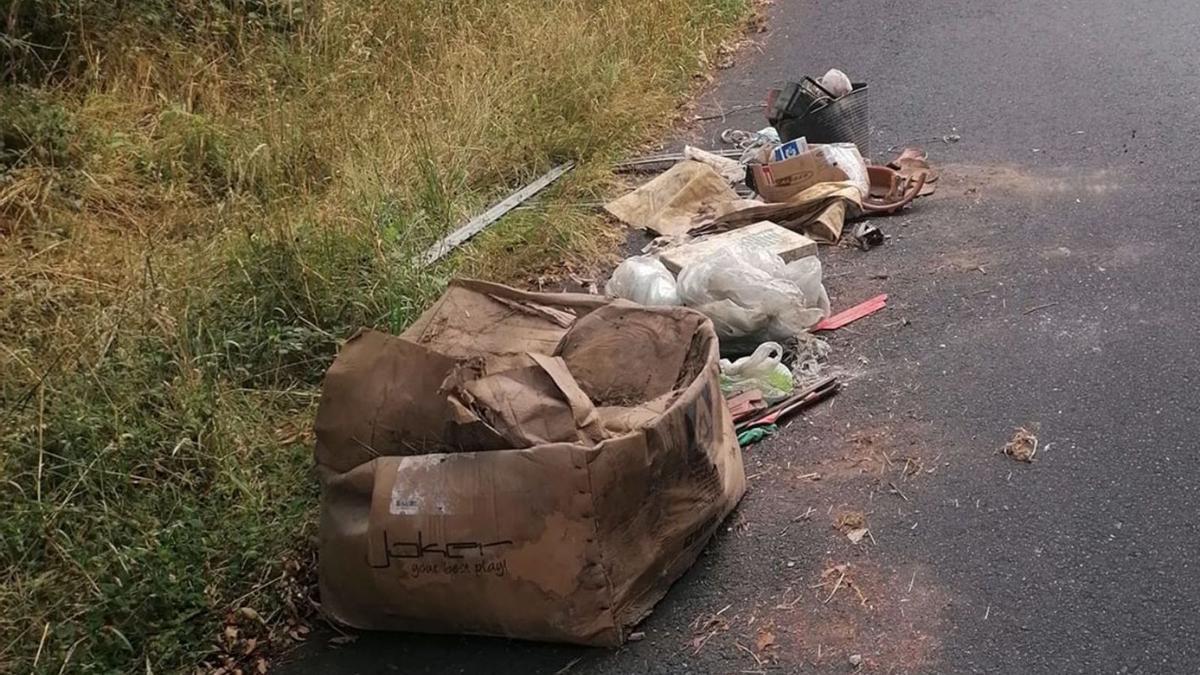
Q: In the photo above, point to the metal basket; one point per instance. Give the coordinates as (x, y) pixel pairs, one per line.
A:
(806, 109)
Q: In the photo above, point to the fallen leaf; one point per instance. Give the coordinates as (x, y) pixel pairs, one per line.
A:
(250, 613)
(851, 520)
(1023, 446)
(856, 535)
(251, 643)
(765, 639)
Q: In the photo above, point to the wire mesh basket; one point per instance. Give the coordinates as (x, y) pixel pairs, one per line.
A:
(806, 109)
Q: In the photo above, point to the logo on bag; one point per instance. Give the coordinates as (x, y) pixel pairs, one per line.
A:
(406, 550)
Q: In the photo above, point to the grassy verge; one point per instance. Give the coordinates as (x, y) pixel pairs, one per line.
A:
(198, 199)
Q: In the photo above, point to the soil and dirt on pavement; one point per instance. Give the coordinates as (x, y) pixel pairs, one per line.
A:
(1045, 287)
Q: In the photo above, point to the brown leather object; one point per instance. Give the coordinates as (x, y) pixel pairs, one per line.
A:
(889, 191)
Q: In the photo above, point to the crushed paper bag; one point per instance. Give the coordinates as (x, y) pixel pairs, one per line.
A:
(686, 195)
(525, 465)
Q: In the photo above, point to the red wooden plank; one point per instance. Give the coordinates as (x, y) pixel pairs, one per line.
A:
(855, 313)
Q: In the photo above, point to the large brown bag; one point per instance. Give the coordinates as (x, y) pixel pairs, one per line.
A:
(539, 466)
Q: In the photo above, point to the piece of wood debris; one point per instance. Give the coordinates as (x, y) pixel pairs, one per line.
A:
(862, 599)
(666, 158)
(496, 212)
(837, 585)
(748, 651)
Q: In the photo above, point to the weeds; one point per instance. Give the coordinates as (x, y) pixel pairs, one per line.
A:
(198, 201)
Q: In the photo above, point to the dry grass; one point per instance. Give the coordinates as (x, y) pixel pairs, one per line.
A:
(198, 199)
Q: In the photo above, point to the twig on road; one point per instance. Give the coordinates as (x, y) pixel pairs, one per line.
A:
(750, 652)
(836, 587)
(1035, 308)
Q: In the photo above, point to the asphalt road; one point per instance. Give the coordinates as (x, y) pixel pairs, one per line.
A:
(1049, 284)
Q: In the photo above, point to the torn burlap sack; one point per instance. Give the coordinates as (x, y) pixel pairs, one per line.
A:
(526, 465)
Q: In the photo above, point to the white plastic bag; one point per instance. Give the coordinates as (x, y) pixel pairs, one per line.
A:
(763, 370)
(753, 297)
(751, 142)
(846, 157)
(644, 280)
(836, 82)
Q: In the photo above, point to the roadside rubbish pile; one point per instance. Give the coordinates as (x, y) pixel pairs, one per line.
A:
(545, 465)
(736, 237)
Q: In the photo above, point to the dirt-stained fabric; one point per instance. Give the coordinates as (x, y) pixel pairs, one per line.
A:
(539, 466)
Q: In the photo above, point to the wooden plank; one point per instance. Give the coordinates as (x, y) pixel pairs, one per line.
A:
(480, 222)
(865, 308)
(644, 163)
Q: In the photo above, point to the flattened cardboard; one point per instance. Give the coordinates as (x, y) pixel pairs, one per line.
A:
(764, 234)
(565, 541)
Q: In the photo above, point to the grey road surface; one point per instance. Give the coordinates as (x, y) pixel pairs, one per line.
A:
(1051, 284)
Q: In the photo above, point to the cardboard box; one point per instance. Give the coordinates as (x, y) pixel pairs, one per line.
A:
(777, 181)
(781, 241)
(525, 465)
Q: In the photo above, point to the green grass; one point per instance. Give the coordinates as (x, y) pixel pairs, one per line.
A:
(198, 201)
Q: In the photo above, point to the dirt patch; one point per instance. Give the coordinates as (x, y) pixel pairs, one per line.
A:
(884, 455)
(974, 180)
(890, 617)
(884, 615)
(975, 259)
(852, 597)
